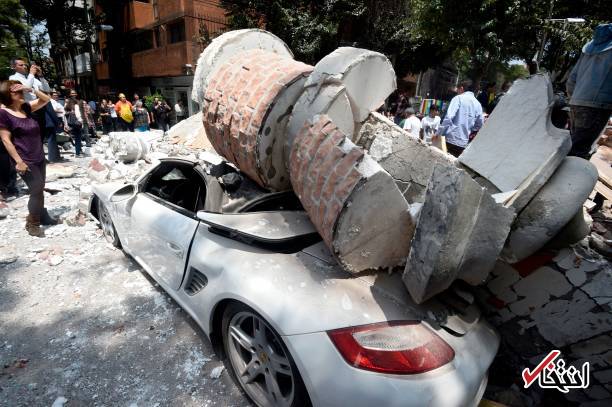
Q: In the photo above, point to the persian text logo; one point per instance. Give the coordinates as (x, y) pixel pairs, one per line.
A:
(551, 373)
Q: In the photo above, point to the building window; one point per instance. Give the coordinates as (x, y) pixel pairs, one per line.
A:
(176, 32)
(155, 10)
(142, 41)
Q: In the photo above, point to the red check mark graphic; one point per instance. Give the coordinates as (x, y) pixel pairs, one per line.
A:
(529, 377)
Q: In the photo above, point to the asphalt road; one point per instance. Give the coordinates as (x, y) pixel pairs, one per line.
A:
(82, 325)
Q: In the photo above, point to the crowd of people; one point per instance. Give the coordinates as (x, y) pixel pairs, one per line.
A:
(31, 114)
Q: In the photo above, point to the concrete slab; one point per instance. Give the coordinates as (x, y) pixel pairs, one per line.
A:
(368, 77)
(518, 148)
(459, 234)
(551, 209)
(408, 161)
(225, 46)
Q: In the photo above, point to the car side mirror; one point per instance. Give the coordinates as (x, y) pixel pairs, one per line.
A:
(126, 192)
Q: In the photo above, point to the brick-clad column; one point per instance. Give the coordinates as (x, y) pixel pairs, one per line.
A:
(354, 204)
(241, 97)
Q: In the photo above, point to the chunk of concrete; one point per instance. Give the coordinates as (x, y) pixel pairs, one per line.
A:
(459, 234)
(330, 100)
(410, 162)
(518, 147)
(128, 146)
(190, 133)
(227, 45)
(367, 76)
(335, 181)
(576, 229)
(551, 209)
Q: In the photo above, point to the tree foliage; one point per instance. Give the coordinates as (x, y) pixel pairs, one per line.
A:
(478, 35)
(314, 28)
(12, 33)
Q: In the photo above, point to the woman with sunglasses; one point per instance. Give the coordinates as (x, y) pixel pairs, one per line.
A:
(20, 135)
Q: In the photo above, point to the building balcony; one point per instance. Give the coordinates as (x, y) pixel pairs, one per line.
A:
(168, 60)
(138, 15)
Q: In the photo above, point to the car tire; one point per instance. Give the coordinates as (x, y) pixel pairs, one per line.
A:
(265, 371)
(107, 225)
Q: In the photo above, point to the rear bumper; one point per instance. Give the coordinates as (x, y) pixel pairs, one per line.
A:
(332, 382)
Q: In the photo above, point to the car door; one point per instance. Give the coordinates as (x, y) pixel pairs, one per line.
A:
(163, 220)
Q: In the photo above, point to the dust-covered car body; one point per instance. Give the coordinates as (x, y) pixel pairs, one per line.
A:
(228, 251)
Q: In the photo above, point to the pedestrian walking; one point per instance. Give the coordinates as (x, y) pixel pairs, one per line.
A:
(412, 124)
(160, 113)
(430, 124)
(463, 117)
(141, 117)
(179, 111)
(113, 115)
(52, 124)
(80, 112)
(105, 116)
(590, 89)
(74, 126)
(125, 118)
(21, 137)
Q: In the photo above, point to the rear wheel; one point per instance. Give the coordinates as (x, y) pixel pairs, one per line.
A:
(259, 361)
(108, 228)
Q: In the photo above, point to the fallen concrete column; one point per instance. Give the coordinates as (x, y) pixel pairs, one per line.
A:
(518, 148)
(367, 76)
(551, 209)
(336, 181)
(459, 234)
(246, 109)
(226, 46)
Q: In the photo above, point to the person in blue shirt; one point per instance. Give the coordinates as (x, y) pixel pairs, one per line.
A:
(463, 117)
(590, 88)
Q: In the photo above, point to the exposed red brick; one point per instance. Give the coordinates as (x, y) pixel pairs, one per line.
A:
(533, 262)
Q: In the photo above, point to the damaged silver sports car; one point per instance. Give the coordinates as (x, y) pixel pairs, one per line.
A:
(293, 328)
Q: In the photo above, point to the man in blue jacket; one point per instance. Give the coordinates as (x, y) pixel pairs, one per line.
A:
(590, 89)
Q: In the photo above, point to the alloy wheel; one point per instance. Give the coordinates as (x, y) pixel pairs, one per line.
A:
(259, 361)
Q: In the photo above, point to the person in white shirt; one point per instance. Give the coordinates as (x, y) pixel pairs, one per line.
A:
(430, 124)
(31, 78)
(412, 124)
(179, 111)
(57, 106)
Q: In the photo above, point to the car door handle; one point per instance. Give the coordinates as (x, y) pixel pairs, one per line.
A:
(176, 249)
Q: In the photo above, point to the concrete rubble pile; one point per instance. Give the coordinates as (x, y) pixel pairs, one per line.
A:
(379, 198)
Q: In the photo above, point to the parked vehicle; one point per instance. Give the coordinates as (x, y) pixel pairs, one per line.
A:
(292, 326)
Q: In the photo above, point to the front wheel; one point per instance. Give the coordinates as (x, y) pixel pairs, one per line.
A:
(108, 228)
(259, 360)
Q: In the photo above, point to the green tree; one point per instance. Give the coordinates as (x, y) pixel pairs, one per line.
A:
(314, 28)
(12, 32)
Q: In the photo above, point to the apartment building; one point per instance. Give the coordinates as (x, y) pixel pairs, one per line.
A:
(154, 45)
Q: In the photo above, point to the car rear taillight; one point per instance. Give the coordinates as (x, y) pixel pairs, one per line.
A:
(398, 347)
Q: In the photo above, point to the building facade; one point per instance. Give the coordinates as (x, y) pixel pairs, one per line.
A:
(154, 46)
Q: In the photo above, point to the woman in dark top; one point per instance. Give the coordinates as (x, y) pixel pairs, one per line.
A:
(20, 135)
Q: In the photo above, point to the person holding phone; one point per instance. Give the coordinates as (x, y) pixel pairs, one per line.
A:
(21, 136)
